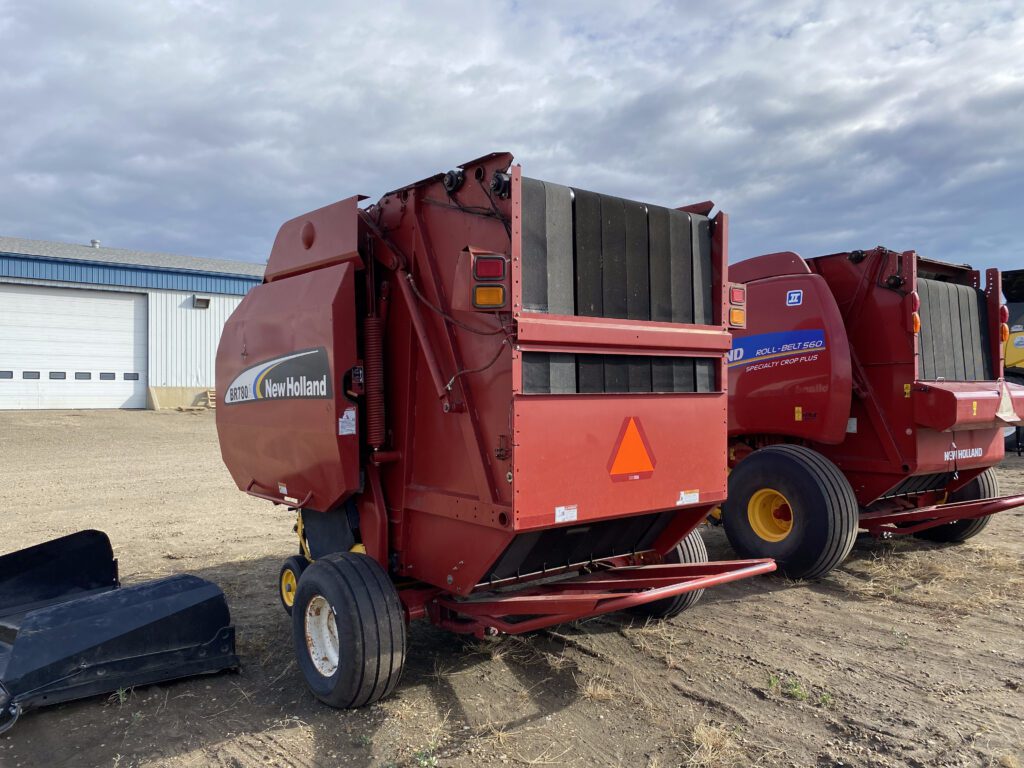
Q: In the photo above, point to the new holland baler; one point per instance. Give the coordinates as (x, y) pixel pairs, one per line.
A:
(866, 392)
(494, 402)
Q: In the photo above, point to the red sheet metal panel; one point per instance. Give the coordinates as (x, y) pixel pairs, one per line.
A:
(287, 429)
(962, 405)
(567, 447)
(328, 235)
(789, 369)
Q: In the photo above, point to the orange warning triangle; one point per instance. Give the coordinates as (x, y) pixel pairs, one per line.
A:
(631, 458)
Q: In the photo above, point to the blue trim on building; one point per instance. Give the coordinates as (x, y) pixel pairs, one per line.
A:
(123, 275)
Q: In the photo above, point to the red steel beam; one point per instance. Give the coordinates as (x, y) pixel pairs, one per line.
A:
(556, 605)
(937, 514)
(606, 332)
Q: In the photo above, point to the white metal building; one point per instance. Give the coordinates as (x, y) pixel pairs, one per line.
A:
(91, 327)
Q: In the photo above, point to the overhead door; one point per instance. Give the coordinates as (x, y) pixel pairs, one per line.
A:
(71, 348)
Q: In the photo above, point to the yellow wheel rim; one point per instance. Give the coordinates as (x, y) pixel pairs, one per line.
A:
(770, 515)
(288, 584)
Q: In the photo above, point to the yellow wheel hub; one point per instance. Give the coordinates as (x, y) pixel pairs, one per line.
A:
(288, 585)
(770, 515)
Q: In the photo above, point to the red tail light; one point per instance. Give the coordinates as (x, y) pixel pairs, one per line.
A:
(489, 268)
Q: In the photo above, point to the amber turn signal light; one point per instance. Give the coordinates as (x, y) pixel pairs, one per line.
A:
(488, 296)
(916, 320)
(737, 317)
(1004, 332)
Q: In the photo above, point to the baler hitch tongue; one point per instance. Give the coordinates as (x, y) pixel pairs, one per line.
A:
(588, 595)
(68, 630)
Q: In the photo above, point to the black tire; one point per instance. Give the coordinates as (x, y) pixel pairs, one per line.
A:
(368, 627)
(1010, 443)
(823, 511)
(689, 550)
(286, 587)
(984, 486)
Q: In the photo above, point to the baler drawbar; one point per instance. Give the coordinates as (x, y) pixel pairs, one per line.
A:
(493, 402)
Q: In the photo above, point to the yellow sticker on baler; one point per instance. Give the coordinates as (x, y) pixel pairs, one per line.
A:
(798, 413)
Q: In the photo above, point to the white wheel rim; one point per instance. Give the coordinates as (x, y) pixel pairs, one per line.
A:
(322, 636)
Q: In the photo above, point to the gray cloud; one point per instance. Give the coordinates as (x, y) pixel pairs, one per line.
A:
(198, 127)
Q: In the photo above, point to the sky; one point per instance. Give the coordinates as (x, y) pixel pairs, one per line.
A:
(198, 127)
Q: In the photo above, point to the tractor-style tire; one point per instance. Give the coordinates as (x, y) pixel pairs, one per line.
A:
(689, 550)
(792, 504)
(349, 630)
(984, 486)
(288, 580)
(1010, 441)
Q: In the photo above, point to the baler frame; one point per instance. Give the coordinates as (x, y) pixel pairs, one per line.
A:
(605, 590)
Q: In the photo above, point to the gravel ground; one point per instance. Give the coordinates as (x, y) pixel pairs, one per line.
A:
(909, 655)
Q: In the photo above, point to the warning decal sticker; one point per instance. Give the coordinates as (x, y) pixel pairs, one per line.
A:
(632, 458)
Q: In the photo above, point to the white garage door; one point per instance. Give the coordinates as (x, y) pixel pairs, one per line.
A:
(70, 348)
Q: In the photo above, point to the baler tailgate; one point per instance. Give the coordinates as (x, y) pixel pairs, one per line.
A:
(593, 594)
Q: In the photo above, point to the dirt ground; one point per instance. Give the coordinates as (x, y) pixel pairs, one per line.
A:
(910, 654)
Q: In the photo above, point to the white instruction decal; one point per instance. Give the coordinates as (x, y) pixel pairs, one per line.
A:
(347, 422)
(688, 497)
(565, 514)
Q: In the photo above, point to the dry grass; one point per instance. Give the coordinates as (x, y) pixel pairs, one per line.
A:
(715, 746)
(956, 579)
(499, 733)
(551, 755)
(519, 650)
(658, 640)
(596, 689)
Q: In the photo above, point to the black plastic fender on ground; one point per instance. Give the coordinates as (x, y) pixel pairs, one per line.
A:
(76, 634)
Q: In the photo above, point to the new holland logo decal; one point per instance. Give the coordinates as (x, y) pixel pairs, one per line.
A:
(300, 375)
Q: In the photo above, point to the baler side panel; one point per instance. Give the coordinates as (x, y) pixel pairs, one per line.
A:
(447, 490)
(276, 439)
(789, 370)
(440, 455)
